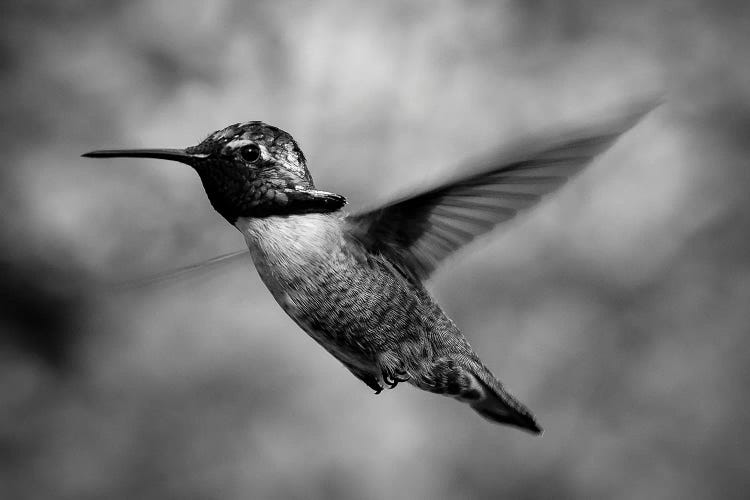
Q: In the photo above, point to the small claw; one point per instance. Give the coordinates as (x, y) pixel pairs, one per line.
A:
(396, 381)
(371, 382)
(393, 379)
(401, 376)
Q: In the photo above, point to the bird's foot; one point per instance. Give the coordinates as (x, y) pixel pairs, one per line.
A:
(392, 378)
(373, 384)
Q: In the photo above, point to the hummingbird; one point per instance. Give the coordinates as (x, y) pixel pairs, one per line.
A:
(355, 282)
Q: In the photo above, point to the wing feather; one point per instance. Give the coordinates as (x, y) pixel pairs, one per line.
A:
(420, 231)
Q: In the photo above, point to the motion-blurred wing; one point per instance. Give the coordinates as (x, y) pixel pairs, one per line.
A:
(183, 271)
(420, 231)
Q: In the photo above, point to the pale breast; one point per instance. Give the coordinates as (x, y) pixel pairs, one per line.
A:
(299, 258)
(288, 249)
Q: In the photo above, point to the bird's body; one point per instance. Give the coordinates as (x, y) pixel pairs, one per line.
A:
(354, 283)
(382, 326)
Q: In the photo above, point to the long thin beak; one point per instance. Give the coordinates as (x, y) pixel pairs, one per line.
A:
(161, 154)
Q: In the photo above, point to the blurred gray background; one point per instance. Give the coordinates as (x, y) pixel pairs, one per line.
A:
(618, 311)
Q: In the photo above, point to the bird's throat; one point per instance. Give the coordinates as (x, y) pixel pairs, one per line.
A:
(237, 198)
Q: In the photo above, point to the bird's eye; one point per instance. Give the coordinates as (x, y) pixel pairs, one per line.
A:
(250, 153)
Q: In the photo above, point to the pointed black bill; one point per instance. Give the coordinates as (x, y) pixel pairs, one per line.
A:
(161, 154)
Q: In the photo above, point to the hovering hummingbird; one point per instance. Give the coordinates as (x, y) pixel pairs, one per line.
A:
(354, 283)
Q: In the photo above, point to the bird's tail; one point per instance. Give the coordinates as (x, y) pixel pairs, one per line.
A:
(497, 405)
(466, 379)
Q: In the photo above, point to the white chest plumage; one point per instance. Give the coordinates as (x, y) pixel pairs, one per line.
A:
(286, 249)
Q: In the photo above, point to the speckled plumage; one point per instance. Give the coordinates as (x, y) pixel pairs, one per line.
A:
(383, 327)
(354, 283)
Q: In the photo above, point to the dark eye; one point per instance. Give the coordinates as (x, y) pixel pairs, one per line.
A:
(250, 153)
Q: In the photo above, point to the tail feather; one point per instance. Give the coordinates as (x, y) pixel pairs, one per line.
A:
(496, 405)
(464, 377)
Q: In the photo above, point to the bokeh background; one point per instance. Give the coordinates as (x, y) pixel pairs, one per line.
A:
(618, 311)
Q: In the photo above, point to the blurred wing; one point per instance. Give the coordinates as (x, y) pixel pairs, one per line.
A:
(173, 274)
(417, 233)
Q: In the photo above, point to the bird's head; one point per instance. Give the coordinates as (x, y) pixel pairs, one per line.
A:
(248, 170)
